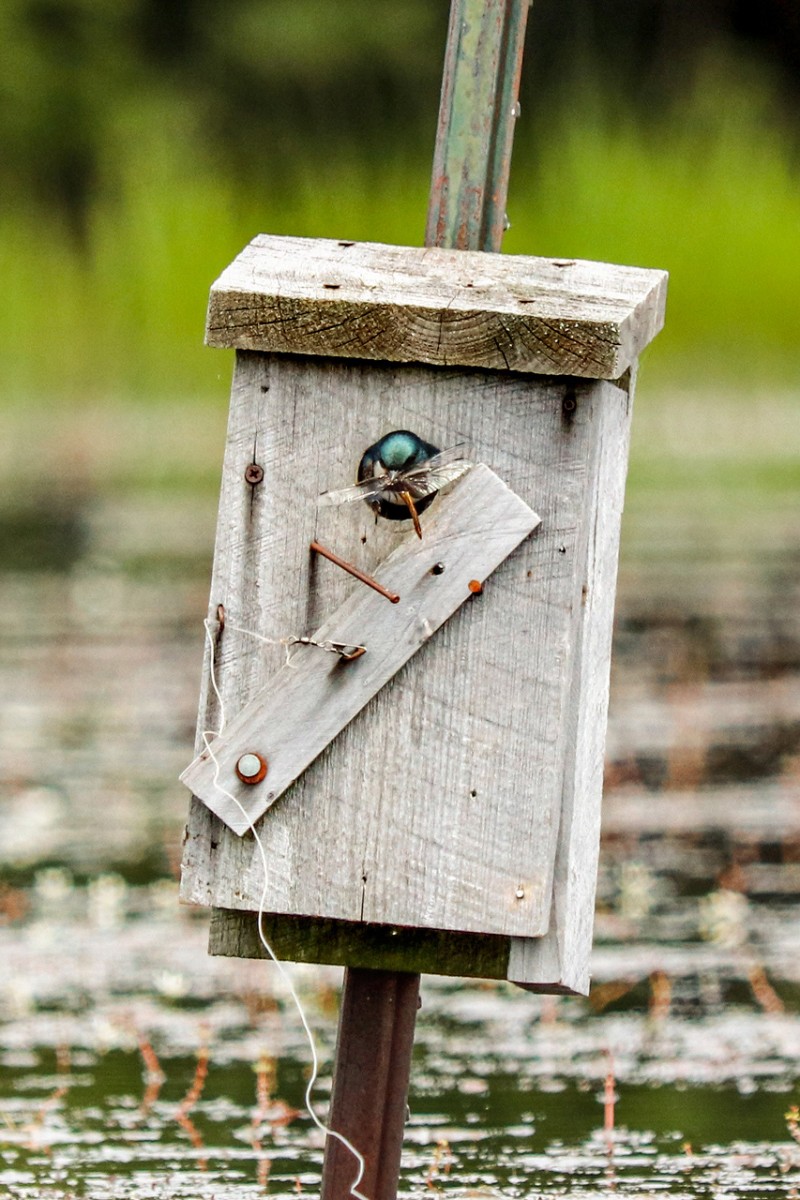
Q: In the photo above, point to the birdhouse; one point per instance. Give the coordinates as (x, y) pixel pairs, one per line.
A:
(411, 605)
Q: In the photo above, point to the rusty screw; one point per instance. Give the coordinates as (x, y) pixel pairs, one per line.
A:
(251, 768)
(254, 473)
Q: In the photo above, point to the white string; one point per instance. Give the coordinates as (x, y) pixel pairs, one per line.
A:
(286, 642)
(207, 735)
(293, 640)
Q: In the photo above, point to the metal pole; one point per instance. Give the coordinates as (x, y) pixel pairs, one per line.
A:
(466, 210)
(373, 1064)
(477, 115)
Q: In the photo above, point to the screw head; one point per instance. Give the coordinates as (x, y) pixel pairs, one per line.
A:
(254, 473)
(251, 767)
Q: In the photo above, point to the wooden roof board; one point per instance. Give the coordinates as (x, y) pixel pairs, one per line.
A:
(452, 308)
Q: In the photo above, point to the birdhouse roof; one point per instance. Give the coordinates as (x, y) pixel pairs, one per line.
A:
(447, 308)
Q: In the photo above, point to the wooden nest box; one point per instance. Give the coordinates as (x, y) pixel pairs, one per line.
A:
(424, 772)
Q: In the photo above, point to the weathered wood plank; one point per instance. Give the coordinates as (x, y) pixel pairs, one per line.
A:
(467, 534)
(355, 944)
(443, 307)
(445, 804)
(559, 961)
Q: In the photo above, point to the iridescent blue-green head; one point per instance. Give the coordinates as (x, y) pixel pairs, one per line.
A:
(397, 451)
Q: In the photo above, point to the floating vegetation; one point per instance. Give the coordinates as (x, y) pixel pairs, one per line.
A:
(510, 1095)
(133, 1064)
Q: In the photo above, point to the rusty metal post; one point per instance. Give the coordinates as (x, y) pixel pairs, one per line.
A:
(373, 1064)
(467, 211)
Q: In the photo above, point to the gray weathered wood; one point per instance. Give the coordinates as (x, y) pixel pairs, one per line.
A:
(356, 944)
(499, 685)
(467, 534)
(443, 307)
(560, 960)
(382, 947)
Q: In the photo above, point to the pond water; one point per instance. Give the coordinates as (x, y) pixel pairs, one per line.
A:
(133, 1065)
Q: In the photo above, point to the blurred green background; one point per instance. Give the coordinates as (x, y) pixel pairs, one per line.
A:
(144, 142)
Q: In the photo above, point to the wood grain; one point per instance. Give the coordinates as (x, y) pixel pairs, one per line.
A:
(457, 771)
(437, 306)
(356, 944)
(560, 960)
(314, 695)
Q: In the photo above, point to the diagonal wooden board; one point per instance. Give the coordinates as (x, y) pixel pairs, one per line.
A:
(315, 695)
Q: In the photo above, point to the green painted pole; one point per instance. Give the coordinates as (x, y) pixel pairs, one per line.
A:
(466, 210)
(477, 115)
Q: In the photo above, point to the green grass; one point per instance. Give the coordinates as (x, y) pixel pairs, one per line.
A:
(713, 197)
(709, 194)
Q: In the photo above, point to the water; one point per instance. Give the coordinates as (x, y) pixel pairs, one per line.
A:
(507, 1093)
(134, 1065)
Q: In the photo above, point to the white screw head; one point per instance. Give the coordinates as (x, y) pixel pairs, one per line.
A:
(251, 768)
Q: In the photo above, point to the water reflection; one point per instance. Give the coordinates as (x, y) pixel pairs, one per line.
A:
(135, 1065)
(507, 1097)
